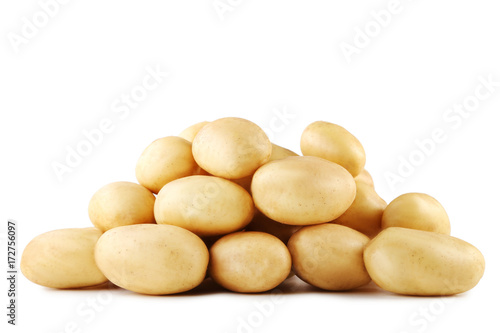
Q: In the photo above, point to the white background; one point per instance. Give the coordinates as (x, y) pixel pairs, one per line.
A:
(256, 60)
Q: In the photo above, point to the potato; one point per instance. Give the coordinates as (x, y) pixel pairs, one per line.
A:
(329, 256)
(334, 143)
(121, 203)
(262, 223)
(278, 153)
(152, 259)
(303, 190)
(365, 177)
(164, 160)
(416, 211)
(249, 262)
(424, 263)
(63, 258)
(365, 213)
(190, 132)
(231, 147)
(205, 205)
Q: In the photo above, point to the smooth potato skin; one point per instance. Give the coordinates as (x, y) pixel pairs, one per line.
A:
(334, 143)
(164, 160)
(415, 262)
(63, 258)
(365, 213)
(231, 148)
(249, 262)
(416, 211)
(262, 223)
(303, 190)
(205, 205)
(329, 256)
(152, 259)
(121, 203)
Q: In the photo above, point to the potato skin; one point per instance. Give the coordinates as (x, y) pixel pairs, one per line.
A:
(303, 190)
(205, 205)
(416, 211)
(121, 203)
(415, 262)
(152, 259)
(365, 177)
(365, 213)
(249, 262)
(63, 258)
(329, 256)
(231, 148)
(164, 160)
(334, 143)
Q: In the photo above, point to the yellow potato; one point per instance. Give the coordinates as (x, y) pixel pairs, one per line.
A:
(231, 148)
(190, 132)
(365, 177)
(424, 263)
(205, 205)
(365, 213)
(303, 190)
(278, 153)
(334, 143)
(249, 262)
(121, 203)
(164, 160)
(152, 259)
(63, 258)
(329, 256)
(263, 223)
(416, 211)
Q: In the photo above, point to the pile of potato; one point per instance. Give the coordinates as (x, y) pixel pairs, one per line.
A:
(221, 201)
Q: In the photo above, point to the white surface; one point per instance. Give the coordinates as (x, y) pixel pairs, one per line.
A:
(263, 57)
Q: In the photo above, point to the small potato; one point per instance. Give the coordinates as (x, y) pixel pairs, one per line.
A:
(416, 211)
(365, 213)
(263, 223)
(63, 258)
(249, 262)
(190, 132)
(231, 148)
(205, 205)
(121, 203)
(329, 256)
(365, 177)
(279, 153)
(415, 262)
(152, 259)
(334, 143)
(164, 160)
(303, 190)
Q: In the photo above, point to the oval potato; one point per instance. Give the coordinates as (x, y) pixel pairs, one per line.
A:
(63, 258)
(205, 205)
(152, 259)
(365, 213)
(231, 147)
(415, 262)
(416, 211)
(334, 143)
(121, 203)
(164, 160)
(329, 256)
(249, 262)
(303, 190)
